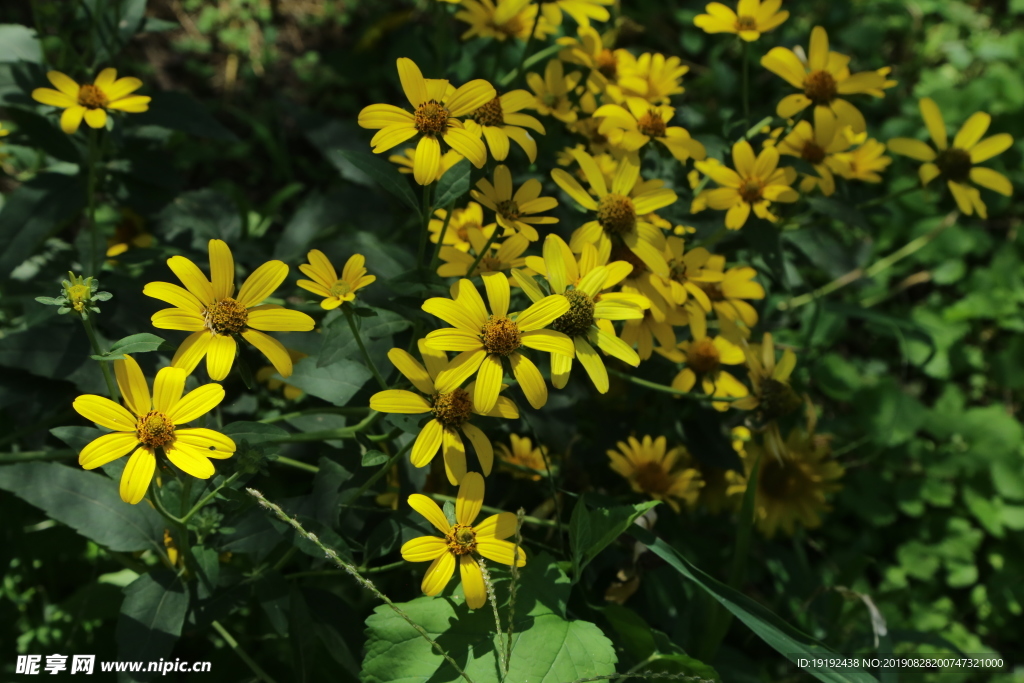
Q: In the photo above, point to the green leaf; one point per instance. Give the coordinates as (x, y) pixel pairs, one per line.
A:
(253, 432)
(336, 383)
(785, 639)
(87, 502)
(384, 174)
(136, 343)
(453, 184)
(374, 458)
(32, 212)
(77, 437)
(178, 111)
(317, 212)
(591, 531)
(19, 43)
(766, 240)
(339, 342)
(840, 211)
(207, 213)
(546, 648)
(151, 618)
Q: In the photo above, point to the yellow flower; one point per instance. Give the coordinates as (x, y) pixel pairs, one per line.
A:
(462, 224)
(437, 110)
(723, 489)
(755, 184)
(727, 294)
(956, 162)
(749, 21)
(552, 91)
(462, 542)
(485, 338)
(523, 460)
(265, 375)
(619, 211)
(499, 120)
(658, 320)
(685, 285)
(632, 128)
(818, 146)
(129, 233)
(582, 285)
(772, 393)
(326, 283)
(91, 101)
(506, 256)
(591, 50)
(704, 358)
(651, 76)
(502, 20)
(651, 469)
(152, 423)
(582, 11)
(215, 314)
(3, 131)
(822, 78)
(406, 161)
(515, 212)
(451, 407)
(864, 162)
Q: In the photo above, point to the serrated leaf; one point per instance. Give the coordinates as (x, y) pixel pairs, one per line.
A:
(385, 175)
(151, 618)
(336, 383)
(453, 184)
(339, 342)
(591, 531)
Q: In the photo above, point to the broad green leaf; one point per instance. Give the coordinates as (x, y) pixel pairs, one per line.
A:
(151, 618)
(87, 502)
(77, 437)
(591, 531)
(317, 212)
(34, 211)
(42, 130)
(339, 342)
(384, 174)
(453, 184)
(19, 43)
(374, 458)
(253, 432)
(136, 343)
(207, 213)
(336, 383)
(178, 111)
(785, 639)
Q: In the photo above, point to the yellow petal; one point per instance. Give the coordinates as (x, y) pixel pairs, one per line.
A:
(220, 356)
(174, 295)
(908, 147)
(105, 413)
(423, 549)
(469, 499)
(530, 380)
(412, 370)
(459, 370)
(399, 401)
(196, 403)
(427, 443)
(933, 121)
(63, 83)
(972, 130)
(212, 443)
(107, 448)
(468, 145)
(191, 351)
(488, 383)
(482, 446)
(453, 314)
(71, 119)
(137, 475)
(454, 454)
(132, 105)
(105, 79)
(192, 278)
(470, 96)
(438, 574)
(427, 161)
(542, 313)
(412, 81)
(472, 582)
(452, 339)
(614, 346)
(993, 180)
(499, 526)
(132, 384)
(817, 56)
(593, 364)
(178, 319)
(262, 283)
(990, 147)
(96, 118)
(573, 189)
(549, 341)
(54, 98)
(280, 320)
(498, 293)
(501, 551)
(189, 460)
(274, 350)
(222, 269)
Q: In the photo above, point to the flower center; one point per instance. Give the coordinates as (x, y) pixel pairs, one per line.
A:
(812, 153)
(651, 124)
(226, 316)
(453, 408)
(500, 336)
(92, 97)
(341, 288)
(431, 118)
(955, 164)
(777, 399)
(578, 319)
(491, 114)
(607, 64)
(783, 480)
(652, 478)
(79, 294)
(703, 356)
(713, 290)
(745, 22)
(461, 539)
(616, 214)
(508, 209)
(750, 191)
(820, 87)
(488, 264)
(154, 429)
(550, 100)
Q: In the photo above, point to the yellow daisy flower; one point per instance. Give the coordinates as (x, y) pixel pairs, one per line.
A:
(729, 294)
(265, 375)
(865, 162)
(152, 423)
(499, 120)
(818, 146)
(651, 76)
(128, 234)
(656, 471)
(591, 50)
(463, 222)
(685, 285)
(551, 92)
(632, 128)
(582, 11)
(822, 78)
(326, 283)
(451, 407)
(502, 20)
(406, 161)
(771, 393)
(749, 21)
(619, 211)
(91, 102)
(485, 338)
(462, 542)
(523, 455)
(956, 162)
(583, 285)
(704, 358)
(214, 314)
(642, 333)
(506, 256)
(755, 184)
(437, 109)
(515, 212)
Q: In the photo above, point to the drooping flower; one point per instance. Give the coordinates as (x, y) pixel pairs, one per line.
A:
(326, 283)
(515, 212)
(652, 76)
(730, 294)
(450, 406)
(591, 50)
(772, 394)
(749, 21)
(463, 222)
(865, 162)
(822, 79)
(619, 210)
(436, 117)
(653, 469)
(501, 120)
(818, 146)
(551, 92)
(631, 127)
(755, 184)
(462, 542)
(502, 19)
(151, 424)
(484, 339)
(689, 275)
(91, 101)
(522, 459)
(956, 162)
(215, 314)
(704, 357)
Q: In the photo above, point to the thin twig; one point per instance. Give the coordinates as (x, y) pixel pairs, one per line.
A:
(242, 654)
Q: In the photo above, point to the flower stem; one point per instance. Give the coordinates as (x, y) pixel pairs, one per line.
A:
(428, 209)
(440, 238)
(242, 654)
(381, 472)
(487, 245)
(155, 499)
(335, 572)
(347, 310)
(670, 390)
(326, 434)
(888, 197)
(209, 496)
(104, 368)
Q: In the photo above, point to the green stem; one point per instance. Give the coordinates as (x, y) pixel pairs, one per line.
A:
(327, 434)
(321, 410)
(297, 464)
(440, 238)
(746, 83)
(487, 246)
(104, 368)
(428, 209)
(337, 572)
(347, 310)
(889, 197)
(486, 508)
(242, 654)
(90, 215)
(209, 496)
(511, 76)
(669, 390)
(382, 471)
(29, 456)
(155, 499)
